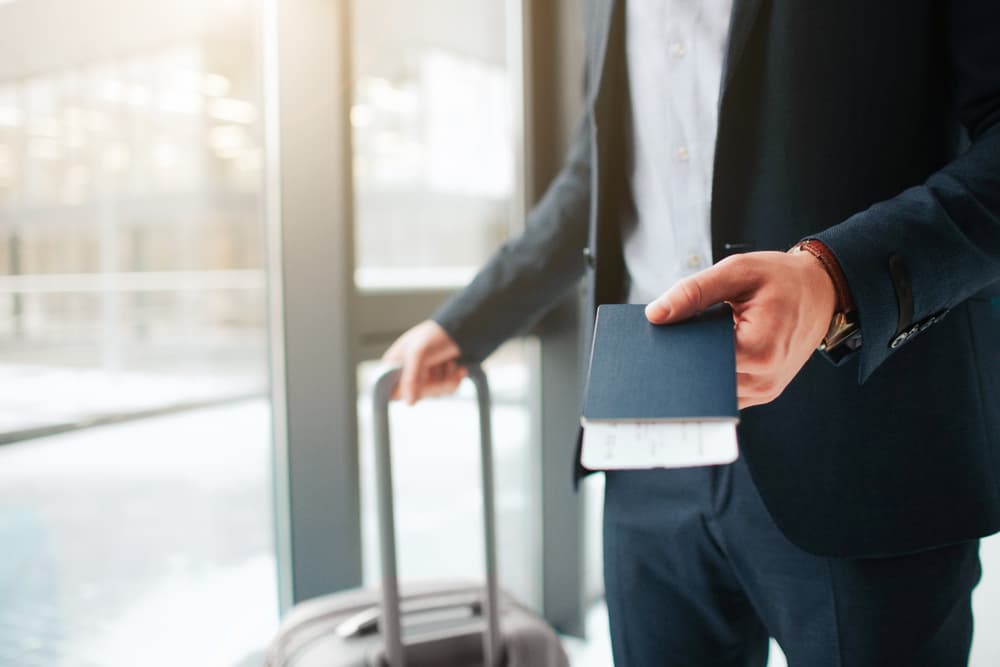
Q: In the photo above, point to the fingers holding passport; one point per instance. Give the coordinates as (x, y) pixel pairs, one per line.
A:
(782, 305)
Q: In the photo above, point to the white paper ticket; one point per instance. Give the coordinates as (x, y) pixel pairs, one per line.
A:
(626, 445)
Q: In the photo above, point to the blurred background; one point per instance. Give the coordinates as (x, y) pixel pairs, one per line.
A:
(214, 216)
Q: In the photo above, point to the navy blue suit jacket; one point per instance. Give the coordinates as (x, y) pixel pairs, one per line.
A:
(874, 127)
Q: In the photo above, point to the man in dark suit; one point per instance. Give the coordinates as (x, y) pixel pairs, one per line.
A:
(865, 136)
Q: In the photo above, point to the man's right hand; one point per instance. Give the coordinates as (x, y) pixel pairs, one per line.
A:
(429, 358)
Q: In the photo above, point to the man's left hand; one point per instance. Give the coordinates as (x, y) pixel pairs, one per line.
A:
(782, 306)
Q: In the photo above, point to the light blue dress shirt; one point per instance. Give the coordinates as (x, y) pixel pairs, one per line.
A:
(675, 50)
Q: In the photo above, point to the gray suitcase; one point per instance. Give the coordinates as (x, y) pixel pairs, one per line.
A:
(448, 623)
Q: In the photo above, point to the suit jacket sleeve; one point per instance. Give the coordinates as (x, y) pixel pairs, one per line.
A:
(945, 232)
(532, 272)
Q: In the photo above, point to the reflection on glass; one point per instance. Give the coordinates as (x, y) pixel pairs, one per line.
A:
(132, 290)
(433, 139)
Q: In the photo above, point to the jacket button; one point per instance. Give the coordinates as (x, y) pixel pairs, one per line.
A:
(589, 258)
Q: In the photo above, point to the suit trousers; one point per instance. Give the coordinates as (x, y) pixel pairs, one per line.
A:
(697, 573)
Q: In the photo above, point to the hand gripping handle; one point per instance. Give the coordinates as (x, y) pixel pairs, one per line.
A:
(384, 386)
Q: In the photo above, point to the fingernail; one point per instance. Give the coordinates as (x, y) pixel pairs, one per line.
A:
(656, 311)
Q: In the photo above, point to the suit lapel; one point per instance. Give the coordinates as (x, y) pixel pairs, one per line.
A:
(740, 28)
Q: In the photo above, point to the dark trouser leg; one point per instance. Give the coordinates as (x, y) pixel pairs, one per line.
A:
(911, 611)
(695, 570)
(672, 598)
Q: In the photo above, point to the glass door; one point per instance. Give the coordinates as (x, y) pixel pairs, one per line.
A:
(435, 120)
(135, 439)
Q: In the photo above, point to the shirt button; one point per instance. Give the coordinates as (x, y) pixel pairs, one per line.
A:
(677, 49)
(682, 153)
(694, 260)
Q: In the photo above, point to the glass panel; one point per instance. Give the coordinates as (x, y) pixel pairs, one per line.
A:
(132, 296)
(436, 476)
(433, 139)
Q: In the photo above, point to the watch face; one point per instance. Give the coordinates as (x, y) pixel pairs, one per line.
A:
(842, 327)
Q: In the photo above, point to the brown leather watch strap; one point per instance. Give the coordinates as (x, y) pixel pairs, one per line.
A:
(819, 250)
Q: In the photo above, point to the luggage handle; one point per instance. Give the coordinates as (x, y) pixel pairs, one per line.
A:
(367, 621)
(384, 385)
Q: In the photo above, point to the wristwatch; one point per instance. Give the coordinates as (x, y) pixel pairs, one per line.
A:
(844, 334)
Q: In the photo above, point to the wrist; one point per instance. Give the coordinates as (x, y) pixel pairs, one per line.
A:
(826, 259)
(441, 343)
(843, 331)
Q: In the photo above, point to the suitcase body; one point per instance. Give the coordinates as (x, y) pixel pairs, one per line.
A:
(310, 635)
(445, 623)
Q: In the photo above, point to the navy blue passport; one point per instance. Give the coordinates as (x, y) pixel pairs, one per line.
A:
(660, 395)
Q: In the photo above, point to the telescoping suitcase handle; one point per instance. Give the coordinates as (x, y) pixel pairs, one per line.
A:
(391, 626)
